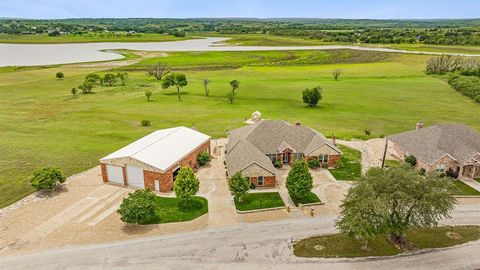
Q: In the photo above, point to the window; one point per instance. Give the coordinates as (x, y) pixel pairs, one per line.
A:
(323, 158)
(260, 181)
(298, 156)
(440, 168)
(273, 157)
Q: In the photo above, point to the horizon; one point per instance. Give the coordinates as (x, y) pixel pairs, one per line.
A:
(253, 9)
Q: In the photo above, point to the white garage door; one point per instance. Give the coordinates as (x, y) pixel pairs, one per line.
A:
(135, 176)
(115, 174)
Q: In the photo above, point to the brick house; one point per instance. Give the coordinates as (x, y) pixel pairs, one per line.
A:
(154, 160)
(450, 149)
(253, 150)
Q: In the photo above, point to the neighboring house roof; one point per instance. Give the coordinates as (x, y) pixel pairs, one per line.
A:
(163, 148)
(432, 143)
(270, 137)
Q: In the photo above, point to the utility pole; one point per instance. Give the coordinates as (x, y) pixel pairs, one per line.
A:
(384, 153)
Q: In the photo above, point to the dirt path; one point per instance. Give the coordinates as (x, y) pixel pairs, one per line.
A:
(372, 151)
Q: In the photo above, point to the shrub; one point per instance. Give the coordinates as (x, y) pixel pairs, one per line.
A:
(252, 186)
(299, 180)
(466, 85)
(238, 185)
(47, 178)
(60, 75)
(145, 123)
(138, 207)
(422, 171)
(314, 163)
(412, 160)
(277, 163)
(203, 158)
(311, 97)
(186, 184)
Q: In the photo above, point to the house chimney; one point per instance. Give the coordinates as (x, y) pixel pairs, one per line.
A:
(419, 125)
(298, 123)
(334, 139)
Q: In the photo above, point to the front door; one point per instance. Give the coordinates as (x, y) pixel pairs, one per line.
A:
(286, 158)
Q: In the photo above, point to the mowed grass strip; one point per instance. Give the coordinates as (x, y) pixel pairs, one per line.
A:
(342, 246)
(176, 210)
(259, 200)
(43, 125)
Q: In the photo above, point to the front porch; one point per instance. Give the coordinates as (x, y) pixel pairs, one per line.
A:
(471, 171)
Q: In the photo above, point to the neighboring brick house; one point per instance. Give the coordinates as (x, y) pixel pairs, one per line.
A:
(450, 149)
(253, 150)
(154, 160)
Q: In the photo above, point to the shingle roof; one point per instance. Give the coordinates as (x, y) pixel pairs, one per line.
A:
(432, 143)
(162, 148)
(270, 137)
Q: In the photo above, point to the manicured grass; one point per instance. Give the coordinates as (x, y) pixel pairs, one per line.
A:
(349, 167)
(341, 245)
(261, 200)
(43, 125)
(89, 37)
(478, 180)
(392, 163)
(464, 189)
(174, 209)
(310, 198)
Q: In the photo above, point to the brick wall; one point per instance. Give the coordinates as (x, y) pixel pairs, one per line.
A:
(104, 172)
(333, 160)
(268, 181)
(165, 180)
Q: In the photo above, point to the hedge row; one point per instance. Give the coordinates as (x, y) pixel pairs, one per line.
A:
(467, 85)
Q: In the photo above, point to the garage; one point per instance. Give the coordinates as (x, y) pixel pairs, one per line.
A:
(135, 177)
(152, 162)
(115, 174)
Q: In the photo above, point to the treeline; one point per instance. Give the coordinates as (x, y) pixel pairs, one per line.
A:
(446, 32)
(463, 73)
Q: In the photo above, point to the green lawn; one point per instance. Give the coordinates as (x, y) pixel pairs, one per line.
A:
(341, 245)
(310, 198)
(392, 163)
(464, 189)
(349, 167)
(43, 125)
(260, 200)
(89, 37)
(174, 209)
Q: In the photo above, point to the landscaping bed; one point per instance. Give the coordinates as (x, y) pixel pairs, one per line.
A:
(464, 189)
(255, 201)
(349, 166)
(174, 209)
(341, 245)
(309, 198)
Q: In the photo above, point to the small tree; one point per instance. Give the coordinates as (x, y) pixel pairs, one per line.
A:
(60, 75)
(158, 71)
(95, 78)
(203, 158)
(148, 94)
(205, 86)
(311, 97)
(239, 185)
(231, 97)
(235, 85)
(314, 163)
(110, 79)
(87, 86)
(336, 74)
(138, 207)
(299, 180)
(74, 91)
(122, 76)
(393, 201)
(186, 184)
(177, 80)
(47, 178)
(411, 160)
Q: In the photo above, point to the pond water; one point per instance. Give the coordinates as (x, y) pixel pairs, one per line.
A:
(50, 54)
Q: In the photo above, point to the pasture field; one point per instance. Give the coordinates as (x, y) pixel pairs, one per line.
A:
(42, 124)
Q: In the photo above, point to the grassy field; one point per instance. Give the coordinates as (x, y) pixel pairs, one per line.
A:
(174, 210)
(349, 167)
(83, 38)
(343, 246)
(254, 201)
(43, 125)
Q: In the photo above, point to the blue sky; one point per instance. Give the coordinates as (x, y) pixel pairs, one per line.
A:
(370, 9)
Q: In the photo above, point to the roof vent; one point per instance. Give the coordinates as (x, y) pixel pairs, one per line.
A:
(419, 125)
(298, 123)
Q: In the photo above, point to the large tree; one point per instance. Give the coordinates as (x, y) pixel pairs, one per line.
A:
(311, 97)
(186, 184)
(393, 201)
(299, 180)
(158, 71)
(138, 207)
(177, 80)
(239, 185)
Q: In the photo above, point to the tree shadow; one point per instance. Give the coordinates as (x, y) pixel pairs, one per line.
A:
(134, 229)
(49, 194)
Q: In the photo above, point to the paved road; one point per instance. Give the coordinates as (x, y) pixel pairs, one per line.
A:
(261, 246)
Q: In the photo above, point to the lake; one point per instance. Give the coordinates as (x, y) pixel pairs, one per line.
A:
(50, 54)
